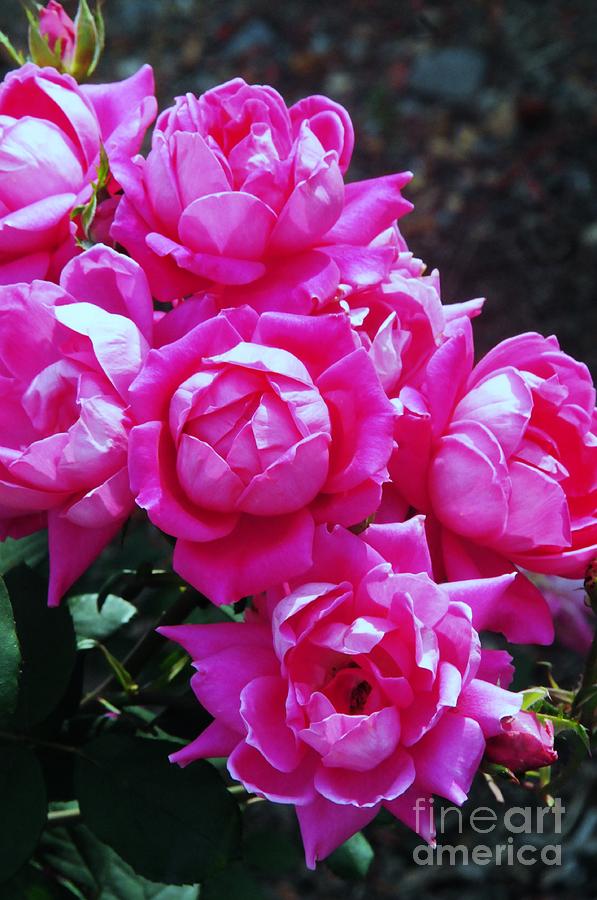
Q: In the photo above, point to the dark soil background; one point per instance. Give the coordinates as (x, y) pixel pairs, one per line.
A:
(493, 106)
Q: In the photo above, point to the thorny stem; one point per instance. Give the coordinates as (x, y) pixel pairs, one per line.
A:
(38, 742)
(149, 643)
(587, 685)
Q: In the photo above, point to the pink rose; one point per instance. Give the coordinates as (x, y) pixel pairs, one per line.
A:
(402, 322)
(525, 743)
(504, 457)
(252, 430)
(239, 190)
(357, 686)
(51, 131)
(67, 357)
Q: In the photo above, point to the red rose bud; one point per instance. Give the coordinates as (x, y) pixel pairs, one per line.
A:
(525, 743)
(71, 47)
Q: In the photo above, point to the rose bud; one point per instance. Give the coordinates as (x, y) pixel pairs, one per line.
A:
(71, 47)
(526, 743)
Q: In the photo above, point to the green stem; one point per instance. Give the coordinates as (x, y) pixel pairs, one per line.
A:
(149, 643)
(587, 685)
(38, 742)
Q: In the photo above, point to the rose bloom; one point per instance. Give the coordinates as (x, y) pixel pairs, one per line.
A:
(240, 190)
(51, 130)
(401, 320)
(356, 686)
(503, 456)
(250, 431)
(68, 354)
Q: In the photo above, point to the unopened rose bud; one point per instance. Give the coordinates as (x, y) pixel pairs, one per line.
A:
(72, 47)
(59, 30)
(525, 743)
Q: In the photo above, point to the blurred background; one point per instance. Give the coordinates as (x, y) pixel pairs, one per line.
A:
(493, 106)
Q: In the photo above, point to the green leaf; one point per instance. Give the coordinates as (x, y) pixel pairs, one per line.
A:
(91, 622)
(235, 882)
(47, 640)
(30, 550)
(92, 869)
(533, 695)
(15, 55)
(352, 859)
(561, 723)
(24, 806)
(39, 48)
(10, 657)
(171, 825)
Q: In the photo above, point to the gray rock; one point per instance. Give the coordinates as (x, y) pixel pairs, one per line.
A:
(452, 74)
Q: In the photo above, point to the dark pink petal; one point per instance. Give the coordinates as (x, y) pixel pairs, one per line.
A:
(111, 501)
(330, 123)
(226, 270)
(167, 368)
(488, 704)
(503, 403)
(448, 756)
(537, 513)
(369, 208)
(520, 612)
(415, 808)
(119, 346)
(124, 109)
(446, 375)
(43, 223)
(324, 826)
(404, 545)
(221, 678)
(310, 211)
(258, 553)
(361, 267)
(496, 667)
(469, 492)
(166, 279)
(72, 550)
(248, 766)
(291, 482)
(263, 709)
(366, 789)
(318, 341)
(349, 507)
(183, 318)
(25, 268)
(228, 223)
(152, 465)
(299, 284)
(200, 641)
(362, 422)
(198, 170)
(112, 281)
(216, 741)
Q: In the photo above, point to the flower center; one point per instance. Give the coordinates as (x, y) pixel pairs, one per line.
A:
(358, 696)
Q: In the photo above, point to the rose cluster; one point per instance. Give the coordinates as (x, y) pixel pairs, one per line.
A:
(228, 335)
